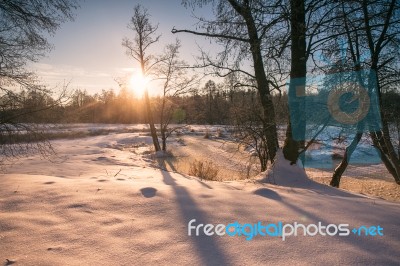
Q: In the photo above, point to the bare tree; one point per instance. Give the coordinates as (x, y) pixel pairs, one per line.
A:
(138, 48)
(248, 127)
(311, 25)
(23, 29)
(173, 73)
(242, 27)
(372, 28)
(389, 33)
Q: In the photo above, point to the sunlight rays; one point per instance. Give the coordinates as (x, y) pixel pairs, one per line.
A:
(138, 83)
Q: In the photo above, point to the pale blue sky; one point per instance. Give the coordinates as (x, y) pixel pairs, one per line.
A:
(88, 51)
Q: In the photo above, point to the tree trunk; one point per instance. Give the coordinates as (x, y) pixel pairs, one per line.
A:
(381, 139)
(263, 157)
(269, 123)
(389, 159)
(163, 128)
(337, 174)
(297, 84)
(391, 153)
(290, 147)
(164, 138)
(151, 122)
(164, 144)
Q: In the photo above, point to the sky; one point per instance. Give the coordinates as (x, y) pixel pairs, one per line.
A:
(88, 52)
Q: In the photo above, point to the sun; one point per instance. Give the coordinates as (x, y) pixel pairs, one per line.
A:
(138, 83)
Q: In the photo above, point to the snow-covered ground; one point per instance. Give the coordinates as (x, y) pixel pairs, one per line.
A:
(100, 203)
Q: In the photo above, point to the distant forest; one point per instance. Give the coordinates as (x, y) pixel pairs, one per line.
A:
(210, 104)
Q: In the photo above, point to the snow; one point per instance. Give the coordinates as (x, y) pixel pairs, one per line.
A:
(99, 203)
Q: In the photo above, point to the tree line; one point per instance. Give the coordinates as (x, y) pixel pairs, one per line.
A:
(213, 104)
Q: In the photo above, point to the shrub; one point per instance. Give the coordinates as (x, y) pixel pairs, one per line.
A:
(207, 134)
(205, 170)
(220, 133)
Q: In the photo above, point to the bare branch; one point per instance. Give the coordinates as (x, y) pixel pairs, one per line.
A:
(211, 35)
